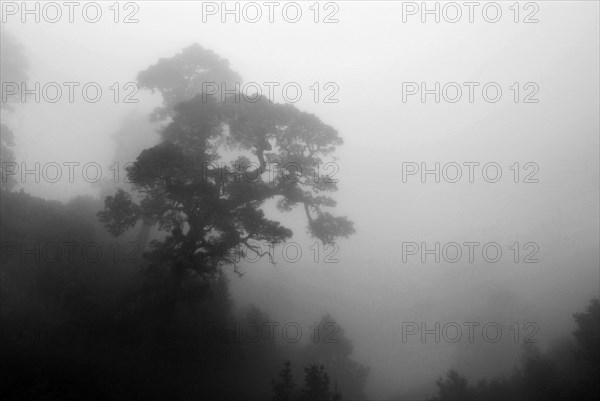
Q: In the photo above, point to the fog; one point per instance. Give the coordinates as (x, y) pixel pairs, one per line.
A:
(368, 64)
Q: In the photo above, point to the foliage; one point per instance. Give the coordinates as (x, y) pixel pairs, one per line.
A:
(453, 387)
(552, 376)
(185, 75)
(207, 203)
(159, 328)
(285, 388)
(316, 385)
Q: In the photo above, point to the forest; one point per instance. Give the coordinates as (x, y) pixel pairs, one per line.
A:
(125, 294)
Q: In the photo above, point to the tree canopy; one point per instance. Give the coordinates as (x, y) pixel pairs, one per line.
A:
(212, 205)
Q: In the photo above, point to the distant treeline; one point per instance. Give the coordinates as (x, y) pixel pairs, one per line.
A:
(567, 371)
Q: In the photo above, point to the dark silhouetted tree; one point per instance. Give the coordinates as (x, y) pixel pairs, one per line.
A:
(205, 185)
(185, 75)
(178, 79)
(210, 207)
(453, 387)
(285, 388)
(587, 333)
(565, 372)
(587, 336)
(316, 383)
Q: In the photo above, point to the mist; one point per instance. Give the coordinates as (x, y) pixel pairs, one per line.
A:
(457, 147)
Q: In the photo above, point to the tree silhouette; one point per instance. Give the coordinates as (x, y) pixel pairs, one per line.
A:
(285, 388)
(211, 206)
(587, 336)
(565, 372)
(316, 383)
(453, 387)
(587, 333)
(185, 75)
(205, 184)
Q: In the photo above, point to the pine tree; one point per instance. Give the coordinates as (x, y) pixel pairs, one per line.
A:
(316, 383)
(284, 388)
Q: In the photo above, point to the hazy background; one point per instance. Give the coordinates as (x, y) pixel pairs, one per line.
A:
(369, 53)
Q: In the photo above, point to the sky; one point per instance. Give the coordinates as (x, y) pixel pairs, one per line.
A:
(369, 59)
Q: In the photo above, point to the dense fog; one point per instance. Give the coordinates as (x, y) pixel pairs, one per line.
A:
(300, 200)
